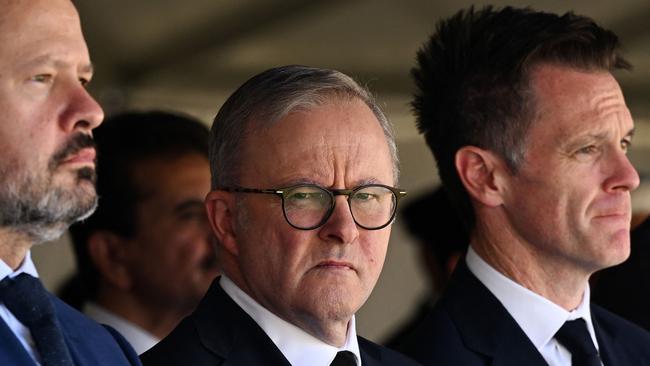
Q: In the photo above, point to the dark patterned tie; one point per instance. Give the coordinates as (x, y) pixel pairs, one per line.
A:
(344, 358)
(28, 301)
(575, 337)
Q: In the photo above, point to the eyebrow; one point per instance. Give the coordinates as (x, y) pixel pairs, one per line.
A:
(188, 205)
(598, 137)
(57, 63)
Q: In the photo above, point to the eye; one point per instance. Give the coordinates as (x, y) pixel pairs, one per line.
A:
(41, 78)
(587, 150)
(625, 144)
(364, 196)
(191, 214)
(299, 196)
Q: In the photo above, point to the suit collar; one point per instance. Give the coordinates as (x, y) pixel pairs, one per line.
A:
(370, 353)
(12, 351)
(228, 332)
(610, 352)
(297, 345)
(484, 324)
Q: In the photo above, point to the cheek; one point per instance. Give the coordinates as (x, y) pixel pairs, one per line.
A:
(373, 246)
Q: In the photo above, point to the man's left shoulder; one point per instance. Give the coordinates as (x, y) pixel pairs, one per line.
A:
(620, 335)
(374, 354)
(91, 343)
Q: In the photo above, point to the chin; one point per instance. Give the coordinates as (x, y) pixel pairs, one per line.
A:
(614, 253)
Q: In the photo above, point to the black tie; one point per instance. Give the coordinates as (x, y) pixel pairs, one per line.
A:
(344, 358)
(28, 301)
(575, 337)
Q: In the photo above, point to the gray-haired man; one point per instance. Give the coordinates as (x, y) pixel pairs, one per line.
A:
(303, 173)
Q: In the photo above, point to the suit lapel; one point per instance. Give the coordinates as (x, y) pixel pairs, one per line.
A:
(370, 356)
(12, 351)
(231, 334)
(608, 350)
(485, 325)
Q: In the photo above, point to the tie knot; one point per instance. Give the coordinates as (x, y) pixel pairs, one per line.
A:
(575, 337)
(26, 298)
(344, 358)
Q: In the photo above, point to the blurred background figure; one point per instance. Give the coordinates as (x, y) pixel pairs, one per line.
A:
(146, 257)
(625, 289)
(442, 239)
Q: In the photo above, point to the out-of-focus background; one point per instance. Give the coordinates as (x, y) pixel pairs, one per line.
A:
(190, 55)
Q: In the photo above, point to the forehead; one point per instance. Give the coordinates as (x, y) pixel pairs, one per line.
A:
(572, 102)
(186, 174)
(340, 141)
(32, 29)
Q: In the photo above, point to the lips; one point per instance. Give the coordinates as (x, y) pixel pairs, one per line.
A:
(334, 264)
(83, 156)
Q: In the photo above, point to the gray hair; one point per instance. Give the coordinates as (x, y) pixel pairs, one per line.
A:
(271, 95)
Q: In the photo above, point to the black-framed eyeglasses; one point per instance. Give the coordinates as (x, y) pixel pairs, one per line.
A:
(309, 206)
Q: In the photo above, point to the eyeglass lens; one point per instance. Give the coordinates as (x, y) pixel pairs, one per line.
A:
(306, 207)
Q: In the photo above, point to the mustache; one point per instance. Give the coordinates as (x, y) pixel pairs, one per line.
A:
(73, 146)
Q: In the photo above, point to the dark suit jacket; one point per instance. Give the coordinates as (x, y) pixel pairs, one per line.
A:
(469, 326)
(90, 344)
(219, 332)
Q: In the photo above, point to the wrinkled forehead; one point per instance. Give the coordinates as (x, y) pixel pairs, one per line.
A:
(19, 15)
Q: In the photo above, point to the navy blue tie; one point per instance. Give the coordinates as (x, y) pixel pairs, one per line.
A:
(344, 358)
(575, 337)
(28, 301)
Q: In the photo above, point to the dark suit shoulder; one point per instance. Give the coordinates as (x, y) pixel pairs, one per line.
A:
(624, 340)
(374, 354)
(441, 342)
(91, 343)
(181, 346)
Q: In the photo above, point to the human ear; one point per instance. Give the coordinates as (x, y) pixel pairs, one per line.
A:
(107, 251)
(481, 172)
(220, 207)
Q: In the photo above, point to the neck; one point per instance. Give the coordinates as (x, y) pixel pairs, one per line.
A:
(157, 320)
(333, 333)
(14, 247)
(551, 277)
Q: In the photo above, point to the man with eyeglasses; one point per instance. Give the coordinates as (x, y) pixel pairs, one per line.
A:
(304, 166)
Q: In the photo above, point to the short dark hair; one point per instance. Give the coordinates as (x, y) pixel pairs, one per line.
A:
(125, 142)
(473, 80)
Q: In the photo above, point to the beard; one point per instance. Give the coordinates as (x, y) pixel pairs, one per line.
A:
(31, 203)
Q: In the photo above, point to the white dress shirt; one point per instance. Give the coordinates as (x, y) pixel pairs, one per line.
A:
(537, 316)
(21, 331)
(140, 339)
(298, 347)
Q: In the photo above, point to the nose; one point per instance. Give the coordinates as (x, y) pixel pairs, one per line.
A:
(622, 176)
(81, 111)
(340, 227)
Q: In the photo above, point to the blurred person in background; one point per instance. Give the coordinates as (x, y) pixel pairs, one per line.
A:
(441, 239)
(146, 257)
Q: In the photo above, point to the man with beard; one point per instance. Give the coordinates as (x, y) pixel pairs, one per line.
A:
(47, 176)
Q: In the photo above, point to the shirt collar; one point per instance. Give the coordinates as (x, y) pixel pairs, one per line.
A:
(537, 316)
(298, 347)
(140, 339)
(27, 266)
